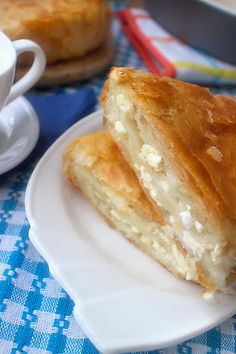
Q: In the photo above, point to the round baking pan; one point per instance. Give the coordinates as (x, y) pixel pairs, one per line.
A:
(207, 25)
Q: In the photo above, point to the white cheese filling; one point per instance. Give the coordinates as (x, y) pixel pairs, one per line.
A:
(168, 191)
(119, 127)
(151, 156)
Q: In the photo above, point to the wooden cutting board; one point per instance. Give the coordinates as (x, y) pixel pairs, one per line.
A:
(76, 69)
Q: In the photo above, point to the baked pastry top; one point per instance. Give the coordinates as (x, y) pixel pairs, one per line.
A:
(63, 28)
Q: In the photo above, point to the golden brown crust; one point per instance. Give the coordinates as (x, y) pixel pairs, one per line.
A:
(199, 129)
(99, 153)
(63, 28)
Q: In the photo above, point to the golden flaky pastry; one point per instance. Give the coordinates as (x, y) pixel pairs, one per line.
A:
(181, 142)
(63, 28)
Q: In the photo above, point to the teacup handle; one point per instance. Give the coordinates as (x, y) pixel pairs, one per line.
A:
(34, 73)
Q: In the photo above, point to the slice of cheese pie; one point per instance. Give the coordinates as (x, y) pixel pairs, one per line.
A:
(94, 164)
(180, 141)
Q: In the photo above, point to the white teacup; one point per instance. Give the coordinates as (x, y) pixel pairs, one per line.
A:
(8, 57)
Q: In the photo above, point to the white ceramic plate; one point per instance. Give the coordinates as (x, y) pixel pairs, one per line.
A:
(19, 132)
(124, 301)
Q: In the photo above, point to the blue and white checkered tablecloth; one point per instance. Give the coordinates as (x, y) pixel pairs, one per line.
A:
(35, 312)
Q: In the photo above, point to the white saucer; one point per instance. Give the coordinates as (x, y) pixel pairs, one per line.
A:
(19, 132)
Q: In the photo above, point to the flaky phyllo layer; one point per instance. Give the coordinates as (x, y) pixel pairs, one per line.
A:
(201, 239)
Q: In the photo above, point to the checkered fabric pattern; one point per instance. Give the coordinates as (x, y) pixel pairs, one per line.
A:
(36, 315)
